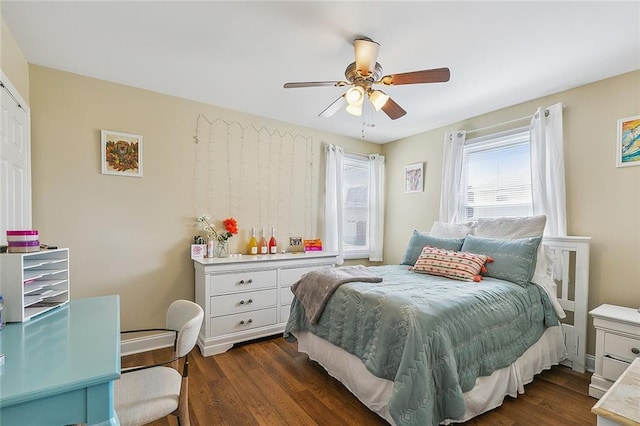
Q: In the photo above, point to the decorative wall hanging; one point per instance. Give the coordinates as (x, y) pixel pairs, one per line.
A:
(261, 176)
(121, 154)
(414, 177)
(628, 142)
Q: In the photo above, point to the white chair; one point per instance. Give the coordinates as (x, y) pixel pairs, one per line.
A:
(147, 393)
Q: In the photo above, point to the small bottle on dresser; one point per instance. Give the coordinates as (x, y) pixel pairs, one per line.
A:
(264, 247)
(273, 245)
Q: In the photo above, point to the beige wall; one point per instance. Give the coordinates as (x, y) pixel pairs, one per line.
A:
(603, 201)
(130, 236)
(13, 63)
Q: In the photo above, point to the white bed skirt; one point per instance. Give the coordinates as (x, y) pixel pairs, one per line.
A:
(488, 393)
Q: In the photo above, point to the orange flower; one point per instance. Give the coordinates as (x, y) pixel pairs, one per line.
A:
(231, 225)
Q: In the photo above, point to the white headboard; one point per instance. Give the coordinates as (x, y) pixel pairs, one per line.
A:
(573, 295)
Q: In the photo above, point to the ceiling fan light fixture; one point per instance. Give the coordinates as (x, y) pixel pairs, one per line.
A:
(355, 96)
(355, 109)
(378, 98)
(366, 52)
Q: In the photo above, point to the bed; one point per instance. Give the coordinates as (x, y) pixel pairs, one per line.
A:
(422, 349)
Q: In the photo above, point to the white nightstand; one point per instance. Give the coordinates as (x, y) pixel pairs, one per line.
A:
(617, 344)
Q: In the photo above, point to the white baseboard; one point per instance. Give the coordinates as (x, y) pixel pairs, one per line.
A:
(146, 343)
(591, 363)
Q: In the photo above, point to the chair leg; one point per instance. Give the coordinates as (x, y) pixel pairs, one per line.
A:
(182, 412)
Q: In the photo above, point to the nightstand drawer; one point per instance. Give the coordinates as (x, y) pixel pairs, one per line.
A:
(613, 368)
(242, 321)
(621, 347)
(243, 281)
(242, 302)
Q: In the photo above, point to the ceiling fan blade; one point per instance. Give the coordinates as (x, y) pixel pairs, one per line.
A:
(436, 75)
(366, 52)
(334, 107)
(393, 110)
(315, 84)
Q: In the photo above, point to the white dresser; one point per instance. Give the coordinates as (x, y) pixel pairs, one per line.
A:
(617, 344)
(247, 297)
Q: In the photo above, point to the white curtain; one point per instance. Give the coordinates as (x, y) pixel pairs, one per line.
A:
(451, 174)
(332, 241)
(547, 169)
(548, 183)
(376, 207)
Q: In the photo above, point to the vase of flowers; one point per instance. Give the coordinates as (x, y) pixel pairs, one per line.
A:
(220, 238)
(222, 249)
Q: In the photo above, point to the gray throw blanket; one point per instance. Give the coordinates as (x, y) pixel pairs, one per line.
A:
(316, 287)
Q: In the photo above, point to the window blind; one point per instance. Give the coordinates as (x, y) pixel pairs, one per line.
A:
(496, 177)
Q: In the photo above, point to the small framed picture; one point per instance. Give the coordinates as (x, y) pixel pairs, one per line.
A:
(628, 142)
(414, 177)
(198, 250)
(121, 154)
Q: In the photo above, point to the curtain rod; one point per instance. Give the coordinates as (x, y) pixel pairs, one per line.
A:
(515, 120)
(11, 94)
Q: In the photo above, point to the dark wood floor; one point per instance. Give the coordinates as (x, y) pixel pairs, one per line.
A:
(268, 382)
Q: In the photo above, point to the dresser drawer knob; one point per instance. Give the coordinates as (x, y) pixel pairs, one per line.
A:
(243, 322)
(635, 351)
(249, 281)
(242, 302)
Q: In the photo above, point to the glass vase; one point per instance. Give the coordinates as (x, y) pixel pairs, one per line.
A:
(222, 249)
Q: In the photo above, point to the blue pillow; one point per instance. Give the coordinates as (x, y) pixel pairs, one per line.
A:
(420, 239)
(513, 260)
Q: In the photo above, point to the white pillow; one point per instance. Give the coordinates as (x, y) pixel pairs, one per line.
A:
(450, 230)
(511, 227)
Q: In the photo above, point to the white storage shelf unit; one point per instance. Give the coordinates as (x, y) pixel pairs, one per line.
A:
(33, 283)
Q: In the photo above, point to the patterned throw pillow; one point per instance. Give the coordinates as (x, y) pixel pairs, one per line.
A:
(458, 265)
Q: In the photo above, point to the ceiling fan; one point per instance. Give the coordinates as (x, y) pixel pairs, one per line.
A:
(363, 74)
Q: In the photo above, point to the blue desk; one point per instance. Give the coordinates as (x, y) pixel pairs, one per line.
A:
(60, 367)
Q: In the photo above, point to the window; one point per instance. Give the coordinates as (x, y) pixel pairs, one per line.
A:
(496, 177)
(354, 204)
(355, 194)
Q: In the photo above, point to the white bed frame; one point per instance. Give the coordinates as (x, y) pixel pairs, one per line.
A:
(573, 295)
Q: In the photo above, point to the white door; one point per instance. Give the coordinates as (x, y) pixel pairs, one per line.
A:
(15, 161)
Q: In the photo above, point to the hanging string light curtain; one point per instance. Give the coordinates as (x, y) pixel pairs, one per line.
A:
(260, 176)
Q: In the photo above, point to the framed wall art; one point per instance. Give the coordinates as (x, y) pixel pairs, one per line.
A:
(628, 142)
(121, 153)
(414, 177)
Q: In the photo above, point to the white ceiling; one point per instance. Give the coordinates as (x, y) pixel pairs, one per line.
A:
(239, 54)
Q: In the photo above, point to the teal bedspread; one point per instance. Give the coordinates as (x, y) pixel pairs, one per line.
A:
(431, 336)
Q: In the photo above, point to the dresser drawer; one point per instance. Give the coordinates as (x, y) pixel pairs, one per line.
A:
(242, 302)
(285, 311)
(242, 321)
(621, 347)
(290, 276)
(613, 368)
(286, 296)
(242, 281)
